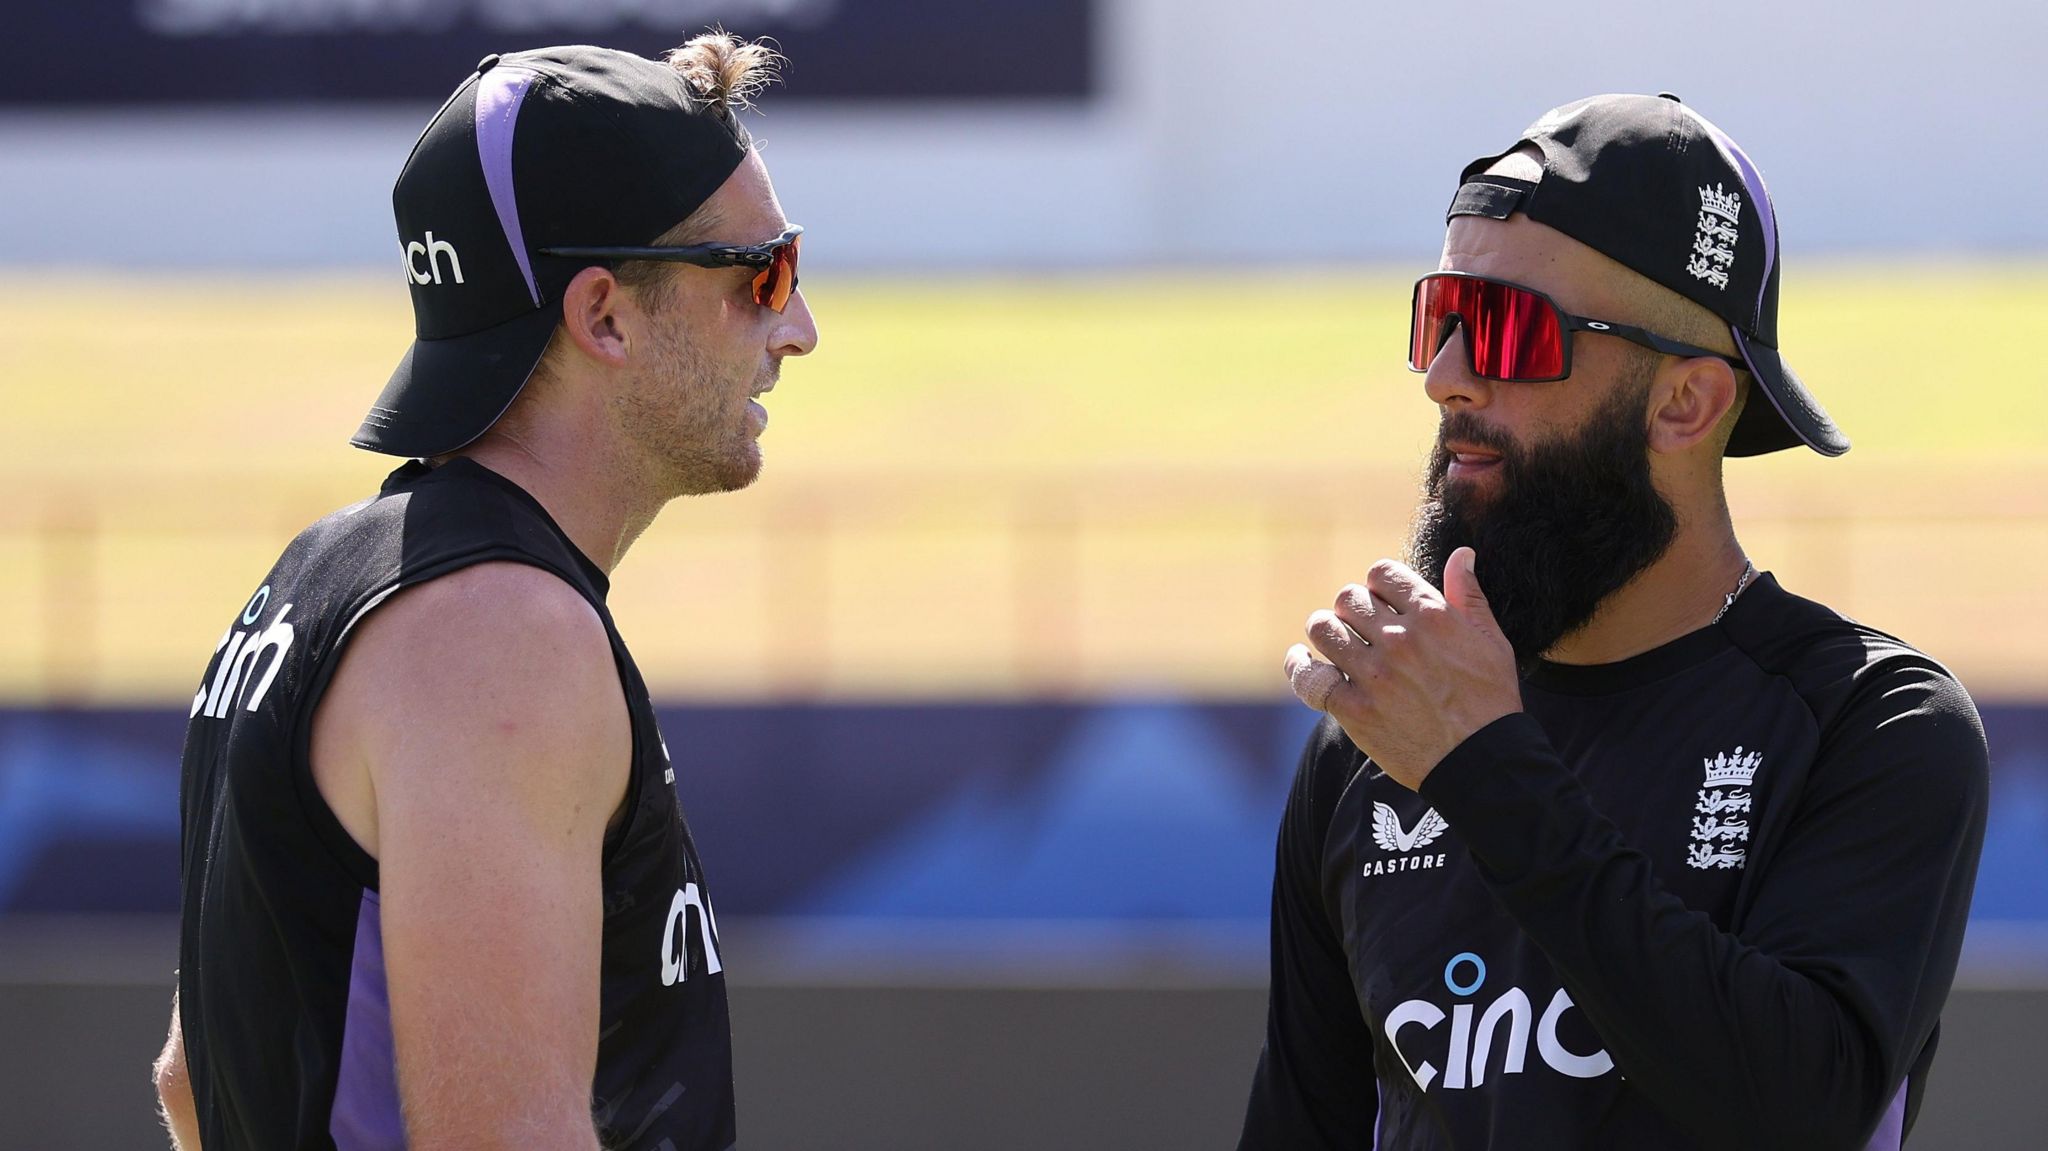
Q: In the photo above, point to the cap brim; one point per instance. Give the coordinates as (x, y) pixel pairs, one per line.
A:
(446, 393)
(1786, 415)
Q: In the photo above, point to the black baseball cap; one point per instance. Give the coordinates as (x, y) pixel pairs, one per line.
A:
(568, 146)
(1654, 185)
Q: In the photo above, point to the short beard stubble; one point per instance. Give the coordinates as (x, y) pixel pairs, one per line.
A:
(682, 415)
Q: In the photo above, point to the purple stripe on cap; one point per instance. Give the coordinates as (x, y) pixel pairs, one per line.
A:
(365, 1115)
(1753, 182)
(1891, 1133)
(499, 93)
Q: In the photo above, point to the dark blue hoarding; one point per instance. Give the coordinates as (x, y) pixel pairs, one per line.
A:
(1098, 812)
(146, 52)
(1154, 811)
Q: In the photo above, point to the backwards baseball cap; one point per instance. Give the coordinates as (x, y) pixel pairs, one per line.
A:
(557, 147)
(1654, 185)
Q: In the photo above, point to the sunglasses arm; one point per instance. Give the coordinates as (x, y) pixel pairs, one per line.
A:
(1651, 340)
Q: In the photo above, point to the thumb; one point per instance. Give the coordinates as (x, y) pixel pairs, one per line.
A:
(1461, 588)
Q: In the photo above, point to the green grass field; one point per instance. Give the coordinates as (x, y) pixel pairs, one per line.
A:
(984, 486)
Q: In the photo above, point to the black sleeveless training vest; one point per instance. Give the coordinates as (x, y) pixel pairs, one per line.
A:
(281, 980)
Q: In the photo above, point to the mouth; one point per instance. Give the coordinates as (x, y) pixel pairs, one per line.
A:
(1468, 460)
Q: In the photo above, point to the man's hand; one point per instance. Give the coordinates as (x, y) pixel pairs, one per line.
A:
(1413, 672)
(174, 1087)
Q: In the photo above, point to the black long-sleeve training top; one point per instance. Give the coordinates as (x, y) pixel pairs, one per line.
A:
(1710, 896)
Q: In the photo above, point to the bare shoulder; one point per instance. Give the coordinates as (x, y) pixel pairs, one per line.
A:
(500, 674)
(481, 614)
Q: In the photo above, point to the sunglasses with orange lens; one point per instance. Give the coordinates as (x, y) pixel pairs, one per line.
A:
(774, 262)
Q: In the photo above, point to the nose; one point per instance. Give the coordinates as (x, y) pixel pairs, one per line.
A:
(1449, 382)
(796, 334)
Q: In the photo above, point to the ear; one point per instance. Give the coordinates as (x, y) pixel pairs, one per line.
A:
(1693, 395)
(595, 316)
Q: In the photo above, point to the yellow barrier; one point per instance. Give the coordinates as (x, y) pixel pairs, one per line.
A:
(924, 585)
(985, 486)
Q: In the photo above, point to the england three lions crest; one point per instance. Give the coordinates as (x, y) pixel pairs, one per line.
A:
(1720, 823)
(1714, 236)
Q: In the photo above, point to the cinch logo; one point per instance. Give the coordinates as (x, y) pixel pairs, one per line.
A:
(431, 252)
(675, 946)
(1470, 1049)
(239, 653)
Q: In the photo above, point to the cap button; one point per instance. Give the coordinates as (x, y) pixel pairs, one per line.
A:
(1671, 96)
(487, 63)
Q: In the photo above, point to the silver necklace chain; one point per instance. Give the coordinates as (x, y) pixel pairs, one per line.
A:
(1748, 570)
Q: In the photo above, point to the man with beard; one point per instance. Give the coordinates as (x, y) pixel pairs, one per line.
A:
(1608, 841)
(438, 890)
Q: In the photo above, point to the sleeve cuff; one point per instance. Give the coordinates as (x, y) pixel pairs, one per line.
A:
(1503, 791)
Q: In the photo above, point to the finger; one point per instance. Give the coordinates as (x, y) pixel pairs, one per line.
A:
(1461, 588)
(1361, 610)
(1313, 681)
(1335, 641)
(1401, 586)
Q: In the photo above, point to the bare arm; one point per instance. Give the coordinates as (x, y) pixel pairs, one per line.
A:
(485, 712)
(174, 1088)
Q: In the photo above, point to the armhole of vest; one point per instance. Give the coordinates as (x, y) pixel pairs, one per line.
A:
(358, 863)
(349, 854)
(616, 838)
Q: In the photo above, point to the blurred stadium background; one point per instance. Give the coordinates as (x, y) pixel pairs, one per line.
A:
(975, 696)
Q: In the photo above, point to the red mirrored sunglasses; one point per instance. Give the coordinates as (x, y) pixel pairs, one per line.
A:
(775, 261)
(1512, 333)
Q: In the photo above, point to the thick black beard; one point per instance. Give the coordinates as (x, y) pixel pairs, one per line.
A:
(1570, 522)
